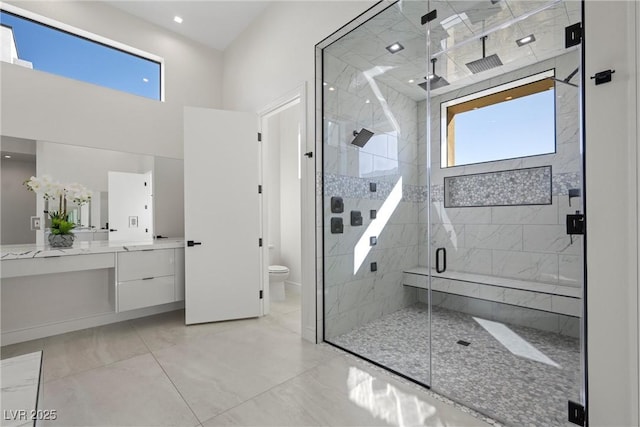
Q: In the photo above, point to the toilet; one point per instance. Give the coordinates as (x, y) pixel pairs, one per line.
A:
(277, 275)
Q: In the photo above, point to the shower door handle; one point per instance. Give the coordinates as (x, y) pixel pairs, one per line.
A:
(441, 266)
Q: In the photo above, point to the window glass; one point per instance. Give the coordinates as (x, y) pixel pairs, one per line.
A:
(505, 124)
(60, 52)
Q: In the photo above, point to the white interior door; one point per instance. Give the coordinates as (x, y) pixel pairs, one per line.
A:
(130, 206)
(222, 268)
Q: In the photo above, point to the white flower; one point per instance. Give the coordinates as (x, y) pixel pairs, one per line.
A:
(54, 190)
(78, 193)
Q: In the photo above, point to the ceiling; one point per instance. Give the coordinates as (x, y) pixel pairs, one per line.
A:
(455, 40)
(213, 23)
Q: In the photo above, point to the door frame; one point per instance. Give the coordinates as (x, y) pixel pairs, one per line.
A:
(307, 208)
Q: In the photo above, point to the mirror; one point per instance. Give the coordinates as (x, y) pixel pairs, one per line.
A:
(88, 167)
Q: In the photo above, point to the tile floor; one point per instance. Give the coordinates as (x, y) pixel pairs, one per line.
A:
(485, 374)
(256, 372)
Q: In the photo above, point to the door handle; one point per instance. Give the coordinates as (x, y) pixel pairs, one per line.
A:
(192, 243)
(442, 251)
(112, 229)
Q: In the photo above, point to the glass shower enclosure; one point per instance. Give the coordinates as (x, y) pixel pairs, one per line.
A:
(452, 209)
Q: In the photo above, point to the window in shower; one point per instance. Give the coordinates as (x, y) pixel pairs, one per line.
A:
(509, 121)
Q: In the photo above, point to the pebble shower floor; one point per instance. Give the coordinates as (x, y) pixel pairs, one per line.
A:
(483, 375)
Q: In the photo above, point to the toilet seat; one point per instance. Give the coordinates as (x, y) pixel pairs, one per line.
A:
(278, 269)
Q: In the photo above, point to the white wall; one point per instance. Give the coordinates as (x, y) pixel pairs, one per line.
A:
(272, 57)
(272, 187)
(611, 118)
(275, 54)
(283, 191)
(290, 215)
(42, 106)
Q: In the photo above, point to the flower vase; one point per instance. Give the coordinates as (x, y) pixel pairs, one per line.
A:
(61, 240)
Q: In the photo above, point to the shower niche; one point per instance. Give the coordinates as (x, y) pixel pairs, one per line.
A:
(468, 127)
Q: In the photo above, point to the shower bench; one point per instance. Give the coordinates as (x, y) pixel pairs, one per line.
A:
(547, 297)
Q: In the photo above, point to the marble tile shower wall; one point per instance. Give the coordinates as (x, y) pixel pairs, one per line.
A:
(354, 295)
(522, 242)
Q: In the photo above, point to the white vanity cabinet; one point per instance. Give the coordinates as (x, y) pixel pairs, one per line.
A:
(48, 291)
(149, 277)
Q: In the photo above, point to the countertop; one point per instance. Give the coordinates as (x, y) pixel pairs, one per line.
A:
(10, 252)
(20, 386)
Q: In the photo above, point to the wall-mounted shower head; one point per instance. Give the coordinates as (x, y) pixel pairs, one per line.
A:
(435, 80)
(486, 62)
(362, 137)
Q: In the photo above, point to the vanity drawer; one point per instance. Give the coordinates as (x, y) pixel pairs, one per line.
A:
(145, 293)
(142, 264)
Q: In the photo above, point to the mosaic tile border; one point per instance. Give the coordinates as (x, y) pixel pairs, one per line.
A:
(358, 188)
(561, 183)
(527, 186)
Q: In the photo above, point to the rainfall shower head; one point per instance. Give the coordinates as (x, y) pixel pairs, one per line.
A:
(486, 62)
(435, 80)
(362, 137)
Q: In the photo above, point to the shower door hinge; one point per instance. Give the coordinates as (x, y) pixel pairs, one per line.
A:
(260, 294)
(429, 16)
(576, 413)
(259, 189)
(260, 242)
(259, 137)
(573, 35)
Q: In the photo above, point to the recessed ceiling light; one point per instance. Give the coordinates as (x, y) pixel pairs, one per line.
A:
(177, 19)
(526, 40)
(6, 156)
(411, 81)
(395, 47)
(324, 84)
(508, 98)
(331, 88)
(368, 101)
(146, 80)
